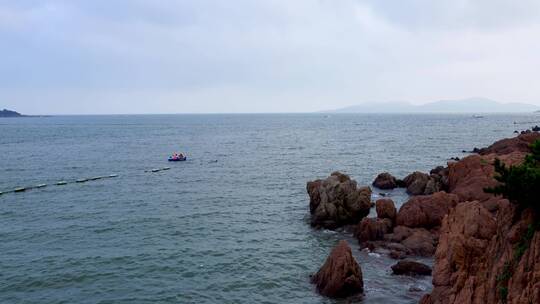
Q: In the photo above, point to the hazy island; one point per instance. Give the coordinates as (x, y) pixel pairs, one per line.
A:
(9, 113)
(468, 105)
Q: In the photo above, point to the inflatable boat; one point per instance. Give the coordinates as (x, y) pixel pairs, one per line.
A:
(177, 158)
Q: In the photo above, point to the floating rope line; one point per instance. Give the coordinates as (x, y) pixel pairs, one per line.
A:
(77, 181)
(59, 183)
(158, 169)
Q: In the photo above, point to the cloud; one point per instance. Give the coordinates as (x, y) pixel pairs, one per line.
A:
(251, 56)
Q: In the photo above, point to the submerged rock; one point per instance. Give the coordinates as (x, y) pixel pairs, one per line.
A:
(385, 181)
(337, 201)
(408, 267)
(340, 276)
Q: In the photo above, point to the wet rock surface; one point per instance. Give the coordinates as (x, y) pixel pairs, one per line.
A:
(385, 181)
(337, 201)
(408, 267)
(340, 276)
(386, 209)
(372, 229)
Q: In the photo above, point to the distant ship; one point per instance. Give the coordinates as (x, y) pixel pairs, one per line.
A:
(478, 116)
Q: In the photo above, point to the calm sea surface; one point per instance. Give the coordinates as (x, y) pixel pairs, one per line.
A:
(230, 225)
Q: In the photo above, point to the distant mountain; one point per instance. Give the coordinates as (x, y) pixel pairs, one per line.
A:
(469, 105)
(8, 113)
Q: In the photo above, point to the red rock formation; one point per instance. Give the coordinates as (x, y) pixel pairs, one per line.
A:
(386, 209)
(336, 201)
(519, 143)
(416, 182)
(407, 267)
(482, 255)
(372, 229)
(385, 181)
(340, 276)
(426, 211)
(421, 242)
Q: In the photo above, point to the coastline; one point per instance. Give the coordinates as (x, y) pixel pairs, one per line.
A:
(449, 218)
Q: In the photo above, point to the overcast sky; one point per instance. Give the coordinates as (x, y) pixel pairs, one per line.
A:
(158, 56)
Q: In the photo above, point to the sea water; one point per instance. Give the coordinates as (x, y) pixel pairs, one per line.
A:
(229, 225)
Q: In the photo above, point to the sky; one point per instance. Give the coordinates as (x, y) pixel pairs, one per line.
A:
(245, 56)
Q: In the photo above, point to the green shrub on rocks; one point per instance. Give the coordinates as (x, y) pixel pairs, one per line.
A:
(520, 184)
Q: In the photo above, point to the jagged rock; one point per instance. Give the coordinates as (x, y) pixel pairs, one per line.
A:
(426, 211)
(372, 229)
(469, 177)
(462, 253)
(416, 182)
(385, 181)
(337, 201)
(421, 242)
(476, 260)
(519, 143)
(386, 209)
(407, 267)
(340, 276)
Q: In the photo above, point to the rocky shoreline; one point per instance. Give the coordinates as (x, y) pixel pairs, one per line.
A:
(471, 234)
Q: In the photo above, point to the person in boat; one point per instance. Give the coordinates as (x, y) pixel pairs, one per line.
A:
(181, 155)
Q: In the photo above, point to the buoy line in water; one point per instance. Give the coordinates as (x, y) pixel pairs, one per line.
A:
(77, 181)
(59, 183)
(158, 169)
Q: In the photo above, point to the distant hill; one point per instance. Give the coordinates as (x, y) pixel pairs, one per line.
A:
(8, 113)
(469, 105)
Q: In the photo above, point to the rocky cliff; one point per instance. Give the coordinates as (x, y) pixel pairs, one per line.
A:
(488, 249)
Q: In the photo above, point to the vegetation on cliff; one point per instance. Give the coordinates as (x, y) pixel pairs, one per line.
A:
(521, 183)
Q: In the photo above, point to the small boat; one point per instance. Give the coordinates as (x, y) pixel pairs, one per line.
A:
(61, 183)
(177, 158)
(21, 189)
(41, 186)
(82, 180)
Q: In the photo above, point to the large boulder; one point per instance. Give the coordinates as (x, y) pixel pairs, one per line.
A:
(340, 276)
(416, 182)
(470, 176)
(372, 229)
(426, 211)
(466, 265)
(337, 201)
(408, 267)
(421, 242)
(386, 209)
(519, 143)
(385, 181)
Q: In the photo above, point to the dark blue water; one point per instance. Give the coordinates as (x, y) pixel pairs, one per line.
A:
(231, 231)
